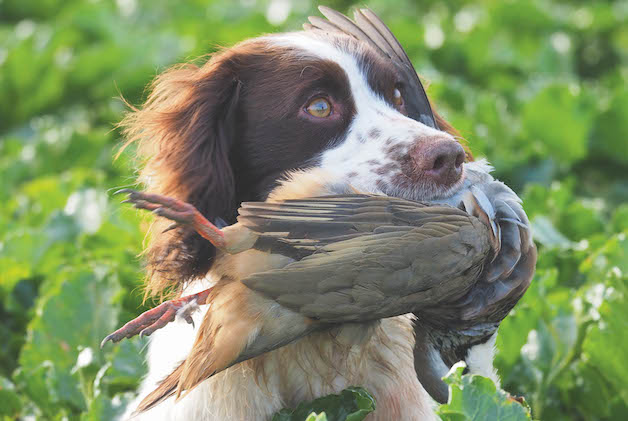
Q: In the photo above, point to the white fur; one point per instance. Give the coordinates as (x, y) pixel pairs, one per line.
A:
(480, 359)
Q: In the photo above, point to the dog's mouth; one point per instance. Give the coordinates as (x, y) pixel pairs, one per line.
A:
(421, 191)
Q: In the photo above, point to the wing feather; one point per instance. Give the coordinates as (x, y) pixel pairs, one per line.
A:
(366, 257)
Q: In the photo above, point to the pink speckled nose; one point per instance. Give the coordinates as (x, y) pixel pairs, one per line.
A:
(440, 160)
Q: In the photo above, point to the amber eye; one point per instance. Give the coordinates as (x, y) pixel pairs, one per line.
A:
(319, 107)
(397, 98)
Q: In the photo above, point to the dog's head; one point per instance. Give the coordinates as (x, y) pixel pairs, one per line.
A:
(227, 131)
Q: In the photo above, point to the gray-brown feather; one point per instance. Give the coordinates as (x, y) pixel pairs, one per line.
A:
(367, 257)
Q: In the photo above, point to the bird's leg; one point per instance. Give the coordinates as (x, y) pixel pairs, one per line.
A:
(158, 317)
(180, 212)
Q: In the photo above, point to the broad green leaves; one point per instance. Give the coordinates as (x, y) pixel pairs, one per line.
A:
(565, 137)
(10, 401)
(570, 362)
(72, 317)
(473, 398)
(538, 87)
(606, 304)
(611, 130)
(352, 404)
(476, 398)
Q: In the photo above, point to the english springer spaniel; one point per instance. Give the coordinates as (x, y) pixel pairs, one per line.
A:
(341, 97)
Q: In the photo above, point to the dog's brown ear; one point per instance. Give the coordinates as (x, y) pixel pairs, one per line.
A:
(184, 133)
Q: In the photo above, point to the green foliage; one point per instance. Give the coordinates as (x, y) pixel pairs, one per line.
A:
(536, 86)
(572, 315)
(316, 417)
(10, 401)
(477, 398)
(352, 404)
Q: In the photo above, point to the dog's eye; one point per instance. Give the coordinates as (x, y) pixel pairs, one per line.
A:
(397, 98)
(319, 107)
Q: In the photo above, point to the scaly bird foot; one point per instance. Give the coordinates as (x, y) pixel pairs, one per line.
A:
(180, 212)
(158, 317)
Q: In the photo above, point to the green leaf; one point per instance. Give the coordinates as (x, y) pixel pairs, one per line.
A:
(620, 218)
(314, 417)
(606, 342)
(475, 397)
(10, 401)
(105, 407)
(75, 313)
(127, 365)
(564, 135)
(610, 260)
(546, 234)
(352, 404)
(611, 130)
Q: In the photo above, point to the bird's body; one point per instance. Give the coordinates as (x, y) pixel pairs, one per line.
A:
(318, 255)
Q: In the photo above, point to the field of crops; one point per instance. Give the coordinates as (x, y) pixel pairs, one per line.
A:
(538, 87)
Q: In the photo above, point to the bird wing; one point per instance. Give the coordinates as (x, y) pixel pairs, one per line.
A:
(366, 257)
(362, 258)
(445, 333)
(506, 277)
(369, 28)
(299, 227)
(357, 258)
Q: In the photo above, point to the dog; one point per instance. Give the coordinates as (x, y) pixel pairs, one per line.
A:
(333, 98)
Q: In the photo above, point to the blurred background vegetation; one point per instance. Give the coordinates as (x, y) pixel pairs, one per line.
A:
(538, 87)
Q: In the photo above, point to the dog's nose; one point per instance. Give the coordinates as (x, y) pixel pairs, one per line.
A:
(438, 159)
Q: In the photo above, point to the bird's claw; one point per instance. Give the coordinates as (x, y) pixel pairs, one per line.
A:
(158, 317)
(176, 210)
(173, 209)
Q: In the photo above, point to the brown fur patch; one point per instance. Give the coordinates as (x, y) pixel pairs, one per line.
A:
(374, 132)
(386, 169)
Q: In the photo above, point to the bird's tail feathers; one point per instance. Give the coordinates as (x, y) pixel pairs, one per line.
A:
(237, 327)
(166, 388)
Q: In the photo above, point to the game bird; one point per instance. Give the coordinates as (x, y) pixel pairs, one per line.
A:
(318, 254)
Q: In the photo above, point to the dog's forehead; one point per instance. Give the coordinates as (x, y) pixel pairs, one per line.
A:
(336, 47)
(362, 65)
